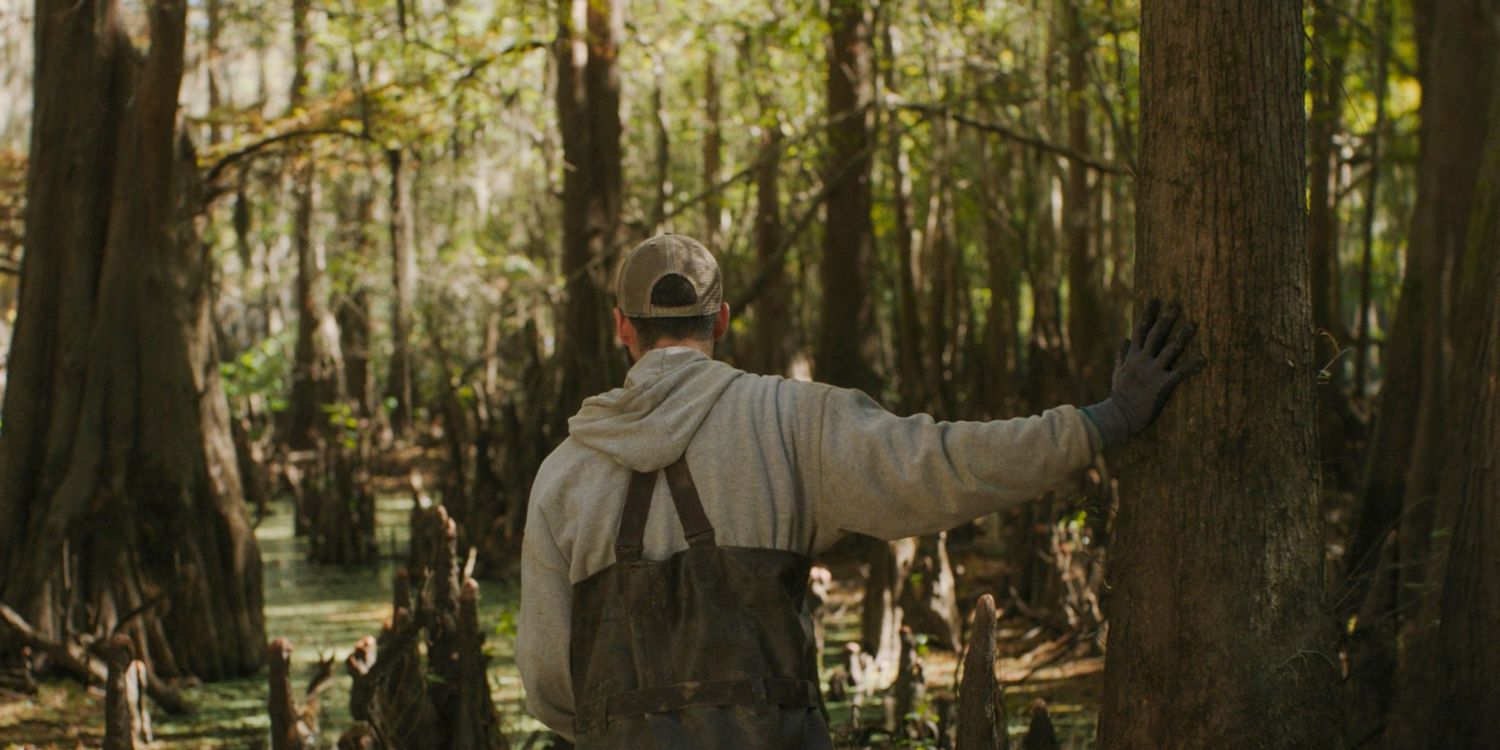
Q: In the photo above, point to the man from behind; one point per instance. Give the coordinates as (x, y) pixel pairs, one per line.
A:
(667, 614)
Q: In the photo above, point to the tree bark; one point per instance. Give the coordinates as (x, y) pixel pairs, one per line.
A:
(1217, 635)
(1467, 704)
(119, 491)
(588, 108)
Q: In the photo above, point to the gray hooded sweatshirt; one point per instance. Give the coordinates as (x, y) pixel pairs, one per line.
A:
(779, 463)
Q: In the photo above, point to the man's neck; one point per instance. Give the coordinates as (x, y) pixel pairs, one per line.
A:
(706, 347)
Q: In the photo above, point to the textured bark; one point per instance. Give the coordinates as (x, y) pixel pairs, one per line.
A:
(588, 108)
(119, 489)
(1467, 704)
(1217, 636)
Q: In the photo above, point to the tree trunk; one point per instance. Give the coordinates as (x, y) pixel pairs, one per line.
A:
(1337, 426)
(353, 309)
(403, 268)
(1467, 703)
(588, 109)
(318, 368)
(1090, 338)
(847, 344)
(1217, 634)
(773, 321)
(119, 491)
(713, 150)
(1405, 455)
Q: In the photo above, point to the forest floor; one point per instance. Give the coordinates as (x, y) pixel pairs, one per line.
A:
(324, 610)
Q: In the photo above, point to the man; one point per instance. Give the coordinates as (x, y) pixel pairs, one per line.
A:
(664, 614)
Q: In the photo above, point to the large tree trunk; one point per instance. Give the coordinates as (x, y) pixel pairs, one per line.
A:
(1467, 703)
(119, 491)
(588, 113)
(1217, 636)
(1405, 455)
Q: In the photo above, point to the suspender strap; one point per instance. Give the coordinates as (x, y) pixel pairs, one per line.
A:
(633, 519)
(745, 691)
(695, 525)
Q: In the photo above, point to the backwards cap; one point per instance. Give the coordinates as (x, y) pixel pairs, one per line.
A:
(668, 255)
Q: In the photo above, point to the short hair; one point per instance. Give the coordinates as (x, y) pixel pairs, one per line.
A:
(673, 290)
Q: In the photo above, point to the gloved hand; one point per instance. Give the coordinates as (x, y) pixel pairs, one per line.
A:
(1144, 376)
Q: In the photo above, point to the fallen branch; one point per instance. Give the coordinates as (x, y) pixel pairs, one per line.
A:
(87, 665)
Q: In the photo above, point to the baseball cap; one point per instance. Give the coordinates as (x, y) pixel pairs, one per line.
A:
(662, 256)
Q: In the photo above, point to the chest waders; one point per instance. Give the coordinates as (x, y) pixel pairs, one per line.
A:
(702, 651)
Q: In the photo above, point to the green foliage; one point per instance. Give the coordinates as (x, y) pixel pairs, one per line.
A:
(261, 371)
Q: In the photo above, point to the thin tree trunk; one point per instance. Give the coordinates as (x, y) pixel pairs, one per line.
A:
(1089, 335)
(847, 344)
(399, 386)
(1229, 503)
(1372, 193)
(772, 309)
(713, 150)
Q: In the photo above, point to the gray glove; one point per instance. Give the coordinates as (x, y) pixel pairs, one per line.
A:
(1144, 376)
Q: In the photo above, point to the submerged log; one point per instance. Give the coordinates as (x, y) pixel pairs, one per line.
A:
(981, 713)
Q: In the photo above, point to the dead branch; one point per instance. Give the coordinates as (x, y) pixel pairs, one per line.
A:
(86, 664)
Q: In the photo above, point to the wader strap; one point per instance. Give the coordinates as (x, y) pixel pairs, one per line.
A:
(695, 525)
(633, 519)
(746, 691)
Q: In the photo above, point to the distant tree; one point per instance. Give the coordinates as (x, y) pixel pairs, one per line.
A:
(318, 365)
(588, 114)
(1217, 633)
(120, 499)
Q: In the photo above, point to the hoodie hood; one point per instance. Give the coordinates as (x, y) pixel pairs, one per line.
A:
(648, 423)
